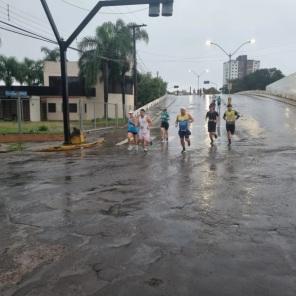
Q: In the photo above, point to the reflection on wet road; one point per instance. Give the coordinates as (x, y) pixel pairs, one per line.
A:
(215, 221)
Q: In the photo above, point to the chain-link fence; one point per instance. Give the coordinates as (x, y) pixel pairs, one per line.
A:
(33, 115)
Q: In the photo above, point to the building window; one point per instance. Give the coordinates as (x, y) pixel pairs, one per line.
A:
(52, 108)
(73, 108)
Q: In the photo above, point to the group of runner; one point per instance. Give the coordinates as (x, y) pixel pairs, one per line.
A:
(139, 126)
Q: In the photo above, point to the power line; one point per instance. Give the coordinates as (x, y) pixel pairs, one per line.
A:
(87, 9)
(27, 35)
(42, 38)
(14, 17)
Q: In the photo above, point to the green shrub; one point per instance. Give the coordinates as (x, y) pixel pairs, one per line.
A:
(43, 128)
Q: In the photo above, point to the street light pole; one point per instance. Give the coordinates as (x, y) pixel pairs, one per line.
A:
(198, 75)
(230, 55)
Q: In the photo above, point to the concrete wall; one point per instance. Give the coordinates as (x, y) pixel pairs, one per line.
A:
(285, 87)
(35, 109)
(58, 115)
(54, 69)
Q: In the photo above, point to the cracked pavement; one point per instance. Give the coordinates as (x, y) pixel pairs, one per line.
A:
(104, 221)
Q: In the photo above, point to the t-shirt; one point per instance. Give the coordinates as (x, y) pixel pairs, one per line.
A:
(183, 121)
(131, 127)
(212, 115)
(231, 116)
(164, 116)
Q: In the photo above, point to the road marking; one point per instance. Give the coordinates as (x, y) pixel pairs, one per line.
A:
(126, 141)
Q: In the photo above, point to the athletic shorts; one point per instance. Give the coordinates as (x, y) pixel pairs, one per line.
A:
(144, 136)
(164, 125)
(212, 127)
(230, 128)
(184, 134)
(134, 132)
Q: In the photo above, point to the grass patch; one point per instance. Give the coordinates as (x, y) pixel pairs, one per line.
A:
(54, 127)
(16, 147)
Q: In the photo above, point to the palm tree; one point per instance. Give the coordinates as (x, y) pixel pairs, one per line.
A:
(21, 72)
(51, 54)
(8, 69)
(108, 53)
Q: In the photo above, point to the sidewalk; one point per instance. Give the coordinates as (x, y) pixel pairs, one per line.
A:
(264, 94)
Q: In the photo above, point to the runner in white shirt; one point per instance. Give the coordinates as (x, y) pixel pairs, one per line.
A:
(145, 123)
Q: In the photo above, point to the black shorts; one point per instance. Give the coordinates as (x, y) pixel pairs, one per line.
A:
(212, 127)
(184, 134)
(230, 128)
(164, 125)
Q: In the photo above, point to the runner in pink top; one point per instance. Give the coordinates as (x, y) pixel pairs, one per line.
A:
(145, 123)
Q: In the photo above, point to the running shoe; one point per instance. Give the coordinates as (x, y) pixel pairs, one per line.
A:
(130, 148)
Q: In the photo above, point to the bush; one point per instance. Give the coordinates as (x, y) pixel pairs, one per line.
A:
(43, 128)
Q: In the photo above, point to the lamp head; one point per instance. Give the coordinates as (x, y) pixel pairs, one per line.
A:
(208, 42)
(252, 41)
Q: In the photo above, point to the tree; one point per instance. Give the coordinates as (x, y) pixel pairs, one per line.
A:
(21, 72)
(51, 54)
(210, 91)
(150, 88)
(257, 80)
(108, 54)
(34, 72)
(8, 69)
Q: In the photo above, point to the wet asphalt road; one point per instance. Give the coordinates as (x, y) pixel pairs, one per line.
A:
(215, 221)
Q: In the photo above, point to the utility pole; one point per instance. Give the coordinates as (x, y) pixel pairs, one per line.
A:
(135, 74)
(154, 11)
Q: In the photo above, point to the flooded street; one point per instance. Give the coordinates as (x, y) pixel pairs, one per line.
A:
(105, 221)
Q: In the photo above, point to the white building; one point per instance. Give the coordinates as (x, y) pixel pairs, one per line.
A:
(233, 68)
(88, 106)
(239, 68)
(43, 103)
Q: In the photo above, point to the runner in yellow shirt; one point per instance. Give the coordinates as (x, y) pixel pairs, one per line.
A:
(230, 116)
(184, 120)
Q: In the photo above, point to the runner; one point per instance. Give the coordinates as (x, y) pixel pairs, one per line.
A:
(164, 126)
(219, 103)
(230, 116)
(132, 131)
(212, 117)
(183, 120)
(144, 122)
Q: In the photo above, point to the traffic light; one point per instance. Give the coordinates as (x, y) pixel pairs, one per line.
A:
(154, 8)
(167, 7)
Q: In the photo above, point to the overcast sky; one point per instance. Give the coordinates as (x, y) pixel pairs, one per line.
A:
(177, 43)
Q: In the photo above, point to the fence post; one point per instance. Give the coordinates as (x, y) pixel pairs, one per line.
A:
(95, 117)
(116, 115)
(106, 115)
(19, 114)
(80, 116)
